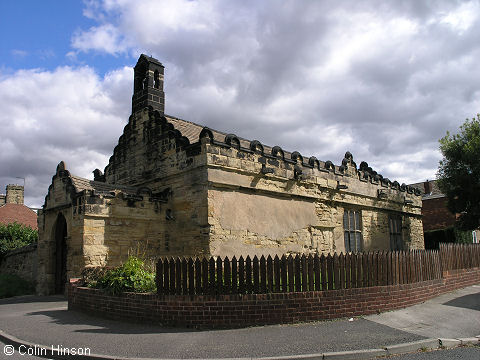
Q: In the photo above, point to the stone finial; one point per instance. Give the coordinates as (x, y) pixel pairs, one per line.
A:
(61, 166)
(297, 156)
(329, 165)
(278, 152)
(98, 175)
(256, 146)
(232, 140)
(206, 133)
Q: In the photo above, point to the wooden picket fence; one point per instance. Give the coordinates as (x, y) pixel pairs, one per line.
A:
(459, 256)
(189, 276)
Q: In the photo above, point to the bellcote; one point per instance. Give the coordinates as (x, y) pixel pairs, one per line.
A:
(148, 85)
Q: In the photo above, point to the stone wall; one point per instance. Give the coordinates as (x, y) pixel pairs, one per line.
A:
(14, 194)
(253, 211)
(22, 262)
(151, 154)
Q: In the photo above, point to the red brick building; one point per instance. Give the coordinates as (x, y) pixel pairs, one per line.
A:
(12, 208)
(436, 215)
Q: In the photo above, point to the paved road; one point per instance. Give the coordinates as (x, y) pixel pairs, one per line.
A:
(7, 352)
(46, 320)
(452, 315)
(461, 353)
(49, 323)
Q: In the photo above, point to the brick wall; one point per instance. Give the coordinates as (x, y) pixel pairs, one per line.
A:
(436, 215)
(261, 309)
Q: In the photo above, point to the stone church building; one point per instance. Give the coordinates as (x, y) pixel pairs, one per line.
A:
(174, 188)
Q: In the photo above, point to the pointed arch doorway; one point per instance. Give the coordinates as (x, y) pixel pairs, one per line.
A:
(60, 255)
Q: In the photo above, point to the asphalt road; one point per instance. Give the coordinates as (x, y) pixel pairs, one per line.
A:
(7, 352)
(460, 353)
(46, 320)
(50, 323)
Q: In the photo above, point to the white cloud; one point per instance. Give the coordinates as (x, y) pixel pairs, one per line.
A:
(462, 17)
(106, 38)
(69, 114)
(384, 80)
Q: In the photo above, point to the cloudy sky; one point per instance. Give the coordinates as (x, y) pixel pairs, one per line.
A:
(382, 79)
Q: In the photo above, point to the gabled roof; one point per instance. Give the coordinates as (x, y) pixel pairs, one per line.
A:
(81, 184)
(21, 214)
(192, 132)
(435, 192)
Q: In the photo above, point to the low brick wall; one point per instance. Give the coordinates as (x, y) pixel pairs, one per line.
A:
(207, 311)
(21, 262)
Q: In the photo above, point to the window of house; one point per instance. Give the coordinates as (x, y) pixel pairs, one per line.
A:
(396, 241)
(353, 230)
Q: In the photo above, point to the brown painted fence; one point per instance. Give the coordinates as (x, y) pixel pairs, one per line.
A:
(295, 274)
(459, 256)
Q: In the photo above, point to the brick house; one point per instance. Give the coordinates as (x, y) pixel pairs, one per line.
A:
(175, 188)
(436, 216)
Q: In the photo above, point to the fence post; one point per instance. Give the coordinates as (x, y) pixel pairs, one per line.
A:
(159, 276)
(269, 274)
(276, 273)
(284, 273)
(311, 286)
(291, 274)
(166, 276)
(235, 278)
(205, 276)
(256, 276)
(248, 271)
(184, 277)
(178, 276)
(227, 271)
(316, 270)
(330, 272)
(219, 284)
(336, 272)
(323, 270)
(263, 275)
(303, 264)
(191, 277)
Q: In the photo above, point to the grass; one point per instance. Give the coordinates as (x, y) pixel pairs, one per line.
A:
(13, 285)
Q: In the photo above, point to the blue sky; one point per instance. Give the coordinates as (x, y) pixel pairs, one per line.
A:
(38, 34)
(383, 80)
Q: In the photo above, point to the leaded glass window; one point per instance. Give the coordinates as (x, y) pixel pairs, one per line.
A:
(353, 230)
(396, 241)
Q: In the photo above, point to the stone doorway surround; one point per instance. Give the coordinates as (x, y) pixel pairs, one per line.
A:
(60, 254)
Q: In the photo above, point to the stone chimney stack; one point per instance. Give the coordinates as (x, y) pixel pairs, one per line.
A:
(148, 85)
(14, 194)
(427, 186)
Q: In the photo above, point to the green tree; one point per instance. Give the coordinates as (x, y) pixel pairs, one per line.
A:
(459, 173)
(15, 235)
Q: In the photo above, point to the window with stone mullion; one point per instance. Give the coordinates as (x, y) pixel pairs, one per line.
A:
(353, 231)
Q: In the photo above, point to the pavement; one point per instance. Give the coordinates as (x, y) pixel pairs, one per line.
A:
(37, 325)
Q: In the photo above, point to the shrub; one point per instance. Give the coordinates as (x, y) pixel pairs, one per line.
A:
(132, 276)
(91, 275)
(15, 235)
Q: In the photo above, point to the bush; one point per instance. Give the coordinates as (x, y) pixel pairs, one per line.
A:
(91, 275)
(132, 276)
(13, 285)
(15, 235)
